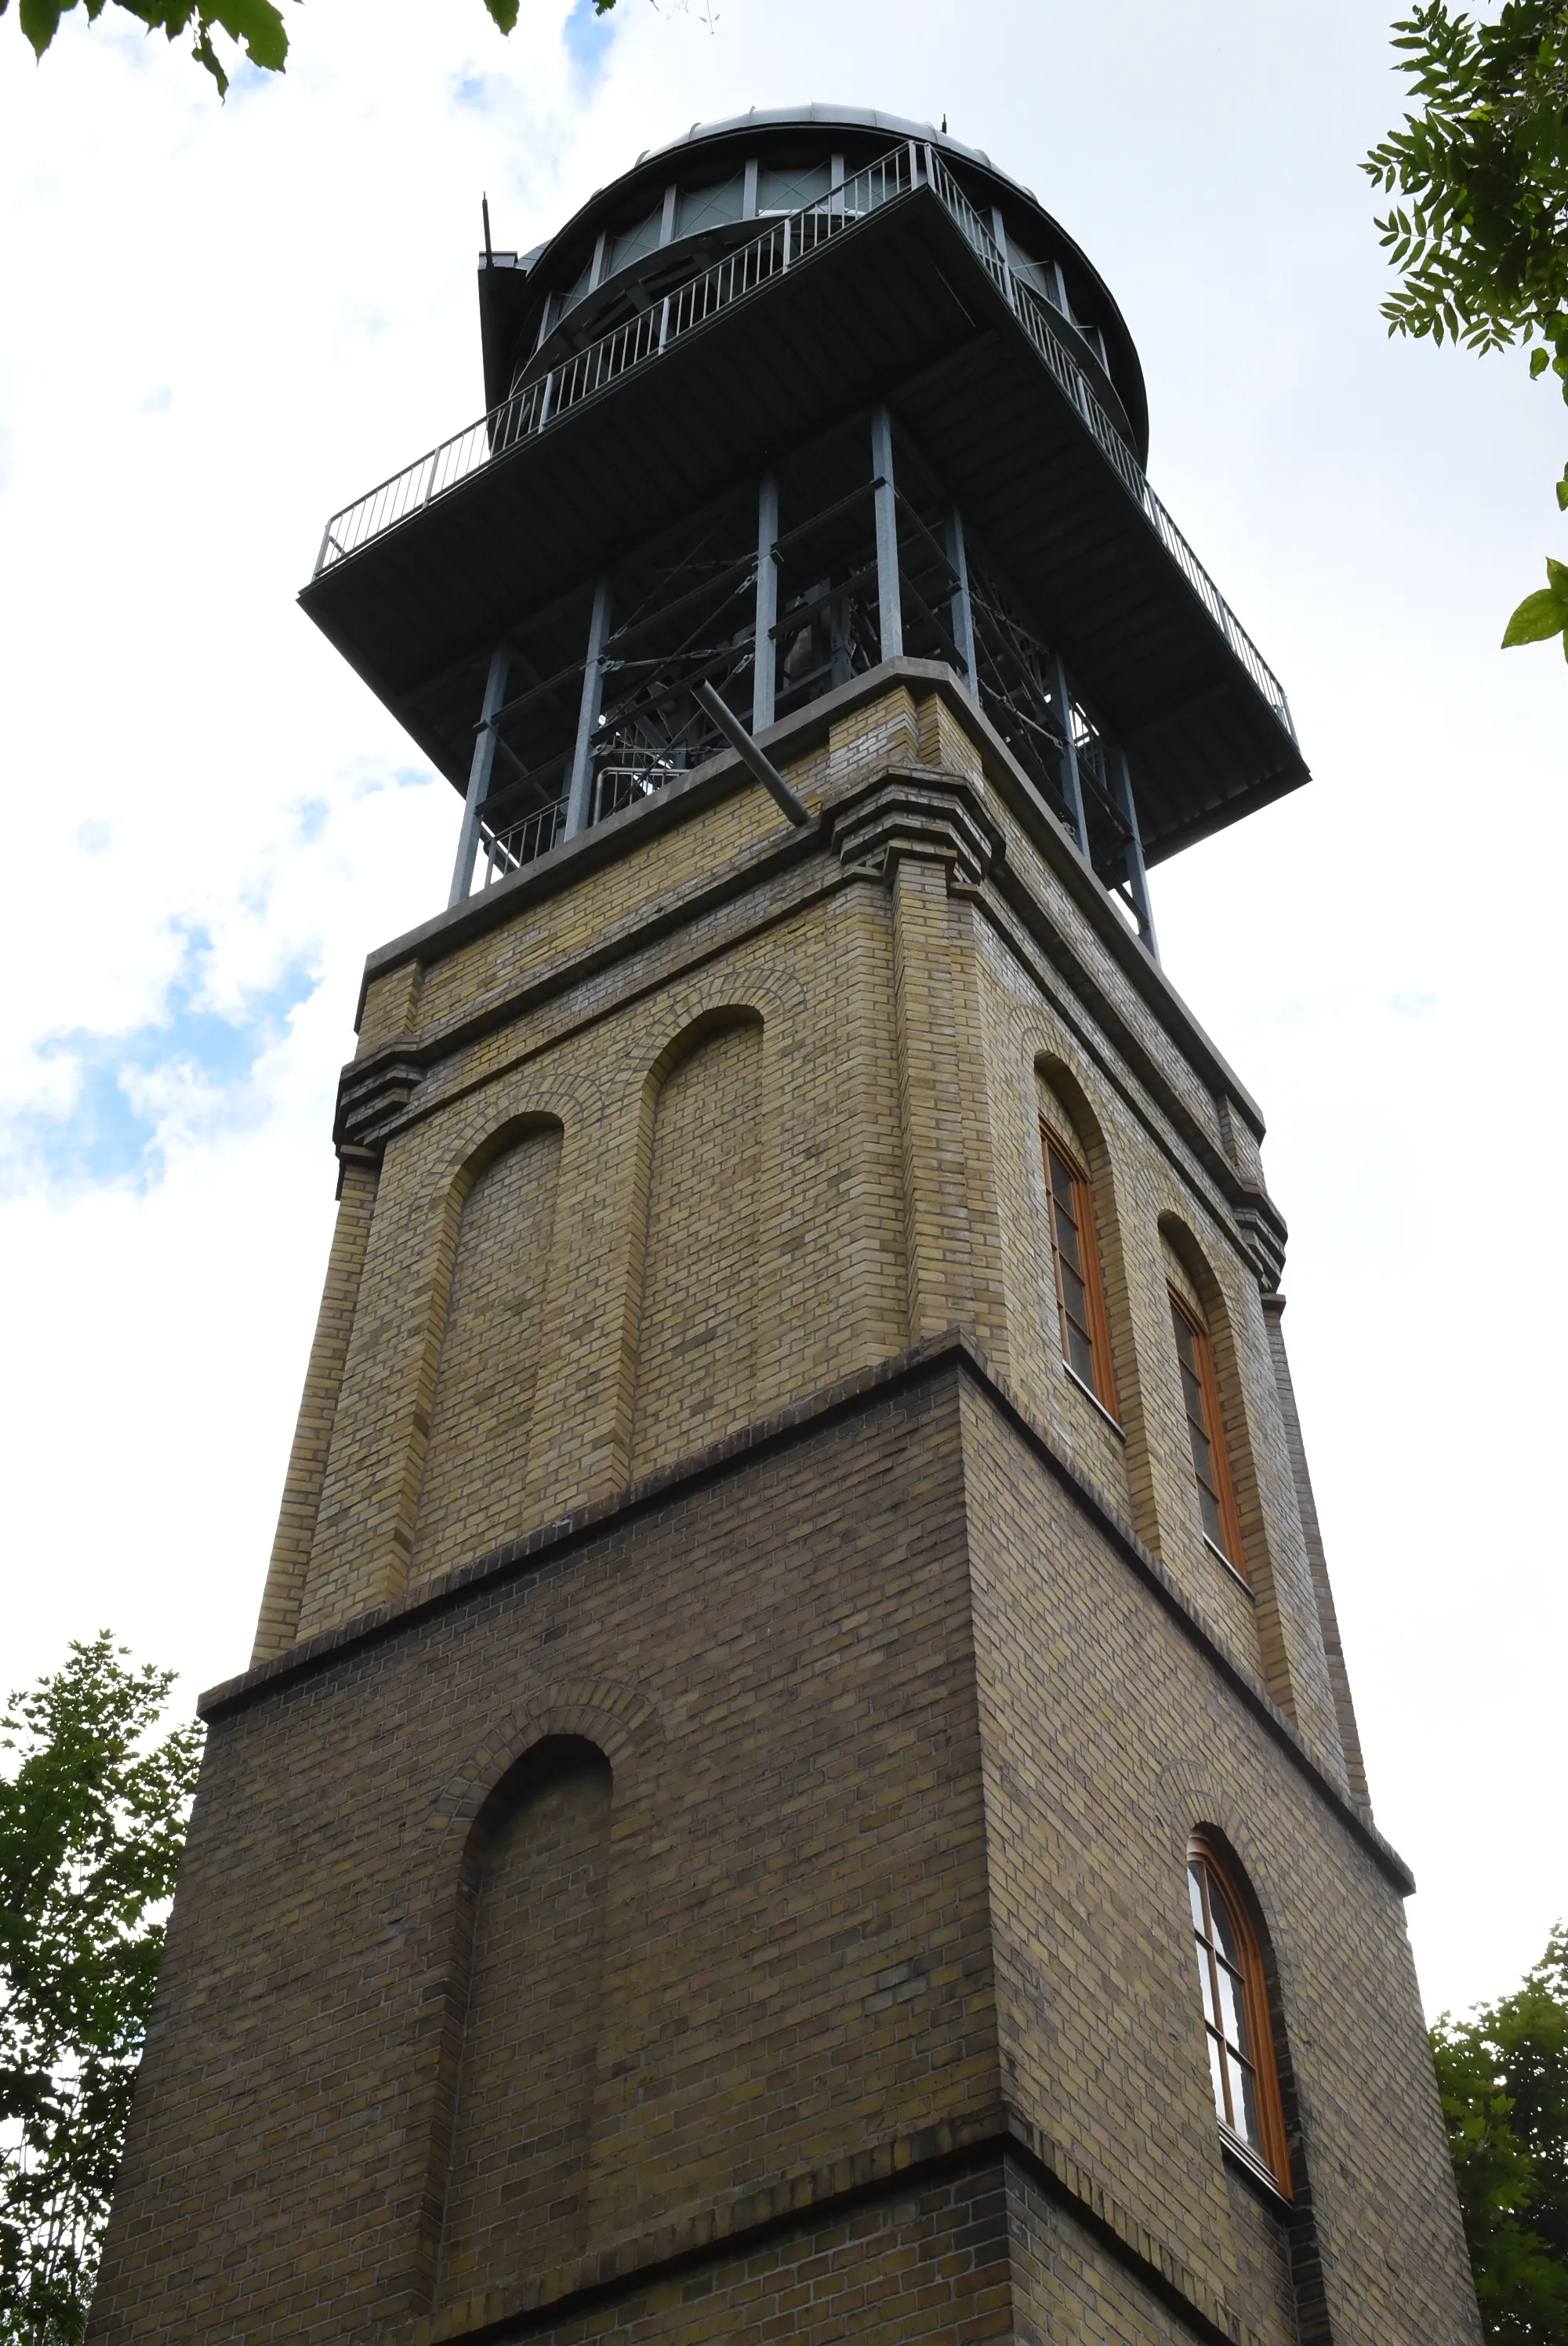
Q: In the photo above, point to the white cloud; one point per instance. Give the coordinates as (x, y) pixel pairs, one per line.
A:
(225, 322)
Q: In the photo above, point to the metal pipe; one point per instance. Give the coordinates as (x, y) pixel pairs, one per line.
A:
(890, 611)
(750, 755)
(479, 771)
(1072, 780)
(962, 613)
(578, 811)
(764, 663)
(1137, 875)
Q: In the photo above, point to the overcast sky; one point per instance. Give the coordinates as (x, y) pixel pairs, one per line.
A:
(219, 323)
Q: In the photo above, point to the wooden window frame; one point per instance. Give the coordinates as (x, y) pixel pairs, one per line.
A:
(1271, 2150)
(1081, 1206)
(1229, 1544)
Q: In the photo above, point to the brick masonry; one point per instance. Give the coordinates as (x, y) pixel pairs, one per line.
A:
(700, 1851)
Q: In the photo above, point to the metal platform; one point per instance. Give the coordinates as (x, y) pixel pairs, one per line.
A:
(903, 299)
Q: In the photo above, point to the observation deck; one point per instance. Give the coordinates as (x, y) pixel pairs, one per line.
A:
(691, 335)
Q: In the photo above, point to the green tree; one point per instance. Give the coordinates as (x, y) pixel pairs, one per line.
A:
(255, 26)
(1480, 234)
(1504, 2078)
(92, 1821)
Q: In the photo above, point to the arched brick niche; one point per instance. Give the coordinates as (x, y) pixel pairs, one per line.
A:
(695, 1374)
(476, 1456)
(529, 1954)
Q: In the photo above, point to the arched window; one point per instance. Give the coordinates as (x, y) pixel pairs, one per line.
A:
(1076, 1252)
(1236, 2014)
(1205, 1431)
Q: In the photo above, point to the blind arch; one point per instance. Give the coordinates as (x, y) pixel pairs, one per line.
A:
(530, 1952)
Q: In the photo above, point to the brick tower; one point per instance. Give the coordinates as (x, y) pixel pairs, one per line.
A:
(796, 1780)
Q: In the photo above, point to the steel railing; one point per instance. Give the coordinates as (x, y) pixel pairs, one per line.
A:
(788, 240)
(522, 842)
(1031, 311)
(528, 411)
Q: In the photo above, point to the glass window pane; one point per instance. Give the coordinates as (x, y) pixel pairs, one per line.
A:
(1074, 1299)
(636, 242)
(787, 191)
(1067, 1237)
(1192, 1397)
(1224, 1932)
(1233, 2010)
(1213, 1522)
(1038, 274)
(578, 291)
(1217, 2076)
(1185, 1348)
(1245, 2093)
(1080, 1354)
(1195, 1891)
(1205, 1984)
(700, 207)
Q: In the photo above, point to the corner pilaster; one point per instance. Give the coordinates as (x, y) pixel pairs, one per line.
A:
(930, 837)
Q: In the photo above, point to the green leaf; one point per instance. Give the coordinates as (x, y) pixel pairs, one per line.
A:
(1538, 617)
(92, 1818)
(202, 50)
(257, 23)
(1563, 491)
(40, 20)
(505, 12)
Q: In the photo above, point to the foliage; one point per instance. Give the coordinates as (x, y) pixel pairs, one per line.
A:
(92, 1821)
(1544, 613)
(1504, 2078)
(255, 24)
(1481, 238)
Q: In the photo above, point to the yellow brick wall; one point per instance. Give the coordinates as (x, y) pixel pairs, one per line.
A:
(288, 1569)
(853, 1165)
(481, 1423)
(880, 1864)
(530, 1944)
(696, 1373)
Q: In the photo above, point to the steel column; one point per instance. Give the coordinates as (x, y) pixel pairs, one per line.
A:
(890, 606)
(579, 811)
(479, 772)
(961, 612)
(765, 655)
(1138, 877)
(1072, 780)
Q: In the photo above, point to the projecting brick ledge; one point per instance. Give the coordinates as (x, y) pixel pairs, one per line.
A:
(741, 2224)
(952, 1348)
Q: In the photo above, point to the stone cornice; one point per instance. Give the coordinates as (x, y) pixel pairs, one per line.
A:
(955, 1348)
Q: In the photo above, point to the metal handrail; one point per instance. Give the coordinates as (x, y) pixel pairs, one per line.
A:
(1032, 313)
(528, 411)
(790, 240)
(520, 842)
